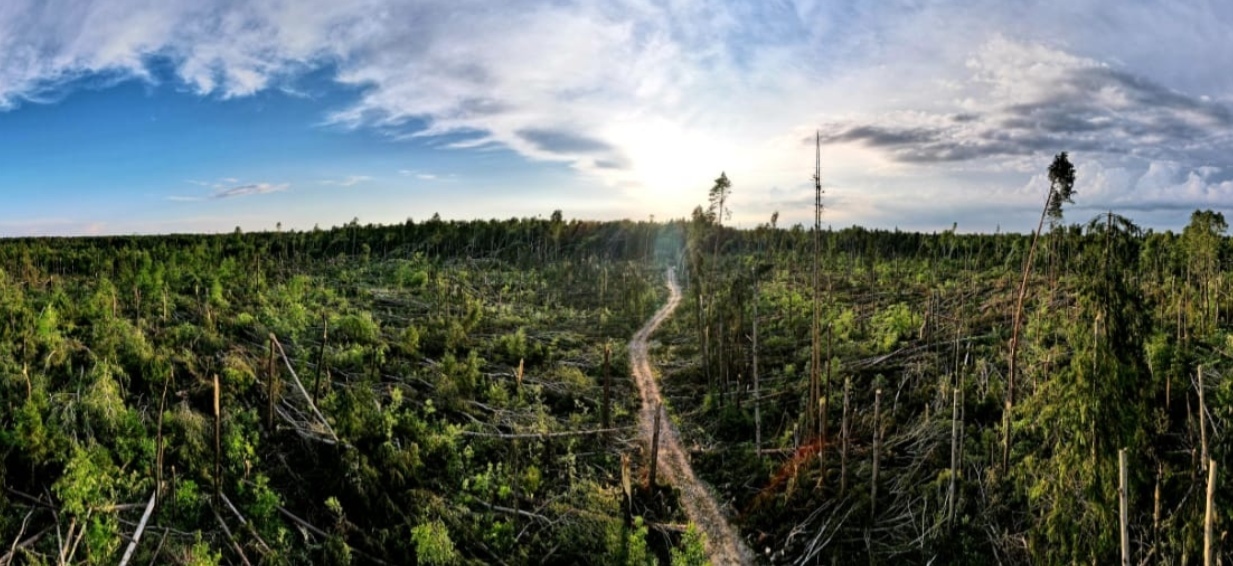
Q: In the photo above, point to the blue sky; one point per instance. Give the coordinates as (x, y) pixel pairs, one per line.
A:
(154, 116)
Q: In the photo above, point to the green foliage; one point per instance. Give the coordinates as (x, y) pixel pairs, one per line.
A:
(692, 550)
(433, 544)
(894, 324)
(1061, 186)
(201, 555)
(359, 328)
(637, 553)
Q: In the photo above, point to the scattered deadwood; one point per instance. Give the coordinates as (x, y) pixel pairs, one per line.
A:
(12, 553)
(558, 434)
(246, 523)
(307, 398)
(141, 527)
(230, 538)
(316, 531)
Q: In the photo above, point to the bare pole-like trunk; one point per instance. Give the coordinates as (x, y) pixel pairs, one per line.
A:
(816, 331)
(1209, 516)
(158, 449)
(845, 432)
(1202, 424)
(954, 454)
(607, 416)
(271, 387)
(218, 445)
(1014, 335)
(1123, 505)
(1156, 508)
(877, 452)
(756, 392)
(325, 335)
(655, 447)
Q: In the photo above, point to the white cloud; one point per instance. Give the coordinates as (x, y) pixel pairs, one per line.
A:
(229, 187)
(655, 98)
(349, 181)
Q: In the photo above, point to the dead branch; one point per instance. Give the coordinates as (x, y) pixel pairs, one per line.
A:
(141, 527)
(239, 551)
(307, 398)
(12, 553)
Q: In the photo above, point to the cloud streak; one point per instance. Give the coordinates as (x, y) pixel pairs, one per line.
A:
(248, 190)
(349, 181)
(230, 188)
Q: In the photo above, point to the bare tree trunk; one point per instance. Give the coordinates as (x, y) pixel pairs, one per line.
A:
(1123, 505)
(877, 452)
(756, 391)
(1202, 424)
(158, 449)
(1156, 508)
(325, 336)
(1014, 336)
(271, 388)
(607, 415)
(845, 432)
(218, 445)
(1209, 516)
(826, 399)
(954, 455)
(655, 447)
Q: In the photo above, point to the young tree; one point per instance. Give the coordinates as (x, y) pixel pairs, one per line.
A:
(718, 198)
(1201, 240)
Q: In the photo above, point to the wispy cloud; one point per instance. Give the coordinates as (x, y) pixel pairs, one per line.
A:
(349, 181)
(425, 175)
(249, 189)
(229, 187)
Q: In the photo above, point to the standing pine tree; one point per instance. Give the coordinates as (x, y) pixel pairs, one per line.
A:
(1061, 189)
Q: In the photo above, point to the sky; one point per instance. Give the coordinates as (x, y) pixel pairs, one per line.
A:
(158, 116)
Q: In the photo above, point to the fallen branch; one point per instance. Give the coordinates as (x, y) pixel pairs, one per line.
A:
(141, 527)
(518, 512)
(8, 558)
(308, 398)
(310, 528)
(560, 434)
(231, 538)
(252, 530)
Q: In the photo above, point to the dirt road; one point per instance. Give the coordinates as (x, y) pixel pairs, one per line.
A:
(723, 543)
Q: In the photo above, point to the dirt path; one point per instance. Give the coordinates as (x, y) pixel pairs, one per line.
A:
(723, 542)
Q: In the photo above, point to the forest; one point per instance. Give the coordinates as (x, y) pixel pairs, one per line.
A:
(450, 392)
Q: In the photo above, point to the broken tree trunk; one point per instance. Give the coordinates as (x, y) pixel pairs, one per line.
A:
(1123, 506)
(845, 432)
(218, 445)
(877, 452)
(1209, 516)
(607, 414)
(141, 527)
(325, 336)
(955, 424)
(1202, 424)
(655, 447)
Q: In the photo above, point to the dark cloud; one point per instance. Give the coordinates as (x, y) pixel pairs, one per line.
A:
(1088, 109)
(560, 141)
(614, 164)
(876, 136)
